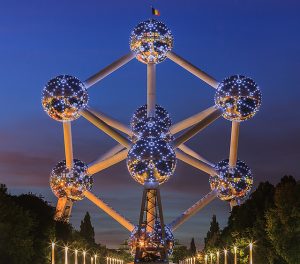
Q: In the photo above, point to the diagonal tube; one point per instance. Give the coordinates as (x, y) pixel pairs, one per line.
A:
(195, 162)
(195, 208)
(194, 154)
(109, 69)
(103, 164)
(191, 121)
(111, 121)
(110, 211)
(198, 127)
(105, 128)
(193, 69)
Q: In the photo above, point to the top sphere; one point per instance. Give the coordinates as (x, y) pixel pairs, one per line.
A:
(63, 97)
(239, 97)
(150, 41)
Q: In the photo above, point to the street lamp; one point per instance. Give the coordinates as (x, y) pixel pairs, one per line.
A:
(250, 257)
(76, 254)
(225, 256)
(206, 258)
(84, 254)
(66, 255)
(235, 255)
(52, 253)
(218, 257)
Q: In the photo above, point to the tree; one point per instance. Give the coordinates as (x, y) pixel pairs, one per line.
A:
(180, 252)
(283, 220)
(193, 248)
(87, 230)
(212, 239)
(16, 225)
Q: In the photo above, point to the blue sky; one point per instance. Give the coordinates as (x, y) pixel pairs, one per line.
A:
(41, 39)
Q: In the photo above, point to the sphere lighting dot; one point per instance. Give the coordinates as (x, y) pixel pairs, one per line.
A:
(232, 183)
(151, 160)
(151, 40)
(63, 97)
(150, 240)
(70, 183)
(139, 118)
(239, 97)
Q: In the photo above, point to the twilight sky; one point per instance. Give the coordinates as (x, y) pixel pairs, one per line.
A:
(41, 39)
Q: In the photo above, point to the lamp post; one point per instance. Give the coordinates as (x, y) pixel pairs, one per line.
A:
(92, 260)
(84, 254)
(211, 258)
(95, 258)
(218, 257)
(225, 256)
(206, 258)
(250, 257)
(76, 255)
(53, 253)
(66, 255)
(235, 254)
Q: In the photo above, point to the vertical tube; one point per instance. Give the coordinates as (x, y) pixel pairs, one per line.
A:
(76, 257)
(53, 253)
(225, 256)
(234, 142)
(235, 255)
(66, 255)
(250, 257)
(68, 144)
(151, 89)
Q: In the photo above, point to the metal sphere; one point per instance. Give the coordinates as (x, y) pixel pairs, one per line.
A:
(232, 183)
(139, 119)
(150, 41)
(239, 97)
(63, 97)
(151, 240)
(151, 160)
(151, 127)
(70, 183)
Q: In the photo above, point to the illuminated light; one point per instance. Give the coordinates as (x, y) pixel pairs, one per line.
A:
(66, 255)
(250, 253)
(218, 257)
(70, 183)
(64, 97)
(95, 258)
(235, 254)
(84, 255)
(151, 40)
(211, 258)
(206, 259)
(76, 257)
(232, 183)
(52, 253)
(239, 97)
(225, 256)
(152, 239)
(151, 160)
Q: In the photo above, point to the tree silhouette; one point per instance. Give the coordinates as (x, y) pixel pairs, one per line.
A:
(212, 239)
(193, 248)
(87, 230)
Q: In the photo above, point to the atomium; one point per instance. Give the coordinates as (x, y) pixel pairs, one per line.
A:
(63, 97)
(151, 240)
(232, 183)
(151, 159)
(152, 144)
(239, 97)
(150, 41)
(70, 183)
